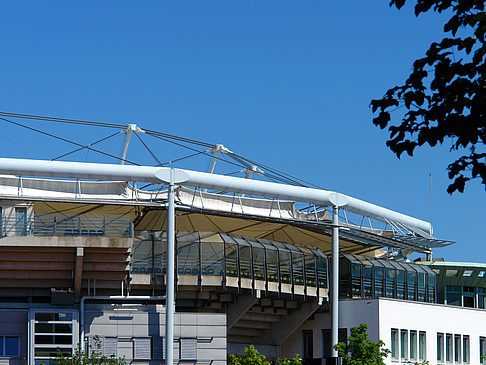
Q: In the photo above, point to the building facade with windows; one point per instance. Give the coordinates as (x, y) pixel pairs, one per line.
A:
(85, 263)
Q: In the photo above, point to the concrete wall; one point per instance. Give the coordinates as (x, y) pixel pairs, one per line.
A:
(149, 321)
(382, 315)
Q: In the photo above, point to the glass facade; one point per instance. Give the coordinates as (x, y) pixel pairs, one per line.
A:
(362, 276)
(227, 255)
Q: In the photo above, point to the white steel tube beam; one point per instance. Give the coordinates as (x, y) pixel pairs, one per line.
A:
(170, 307)
(125, 146)
(335, 281)
(79, 170)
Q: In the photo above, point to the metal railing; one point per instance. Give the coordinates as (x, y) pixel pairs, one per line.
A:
(86, 225)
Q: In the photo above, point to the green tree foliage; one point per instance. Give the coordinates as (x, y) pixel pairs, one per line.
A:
(360, 350)
(82, 358)
(251, 356)
(445, 95)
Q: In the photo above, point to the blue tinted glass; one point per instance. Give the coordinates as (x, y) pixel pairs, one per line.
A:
(1, 347)
(11, 346)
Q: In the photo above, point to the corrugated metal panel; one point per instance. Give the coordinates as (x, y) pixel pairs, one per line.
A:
(157, 348)
(141, 348)
(188, 348)
(110, 346)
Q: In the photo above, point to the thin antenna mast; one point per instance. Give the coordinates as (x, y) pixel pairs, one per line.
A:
(430, 195)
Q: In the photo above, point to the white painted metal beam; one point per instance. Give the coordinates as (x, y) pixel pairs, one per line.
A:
(80, 170)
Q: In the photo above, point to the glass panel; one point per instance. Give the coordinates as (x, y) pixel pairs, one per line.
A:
(245, 259)
(188, 253)
(411, 281)
(284, 255)
(440, 347)
(394, 344)
(422, 346)
(421, 286)
(413, 345)
(481, 296)
(53, 328)
(2, 339)
(453, 295)
(39, 316)
(12, 346)
(212, 254)
(431, 284)
(457, 348)
(379, 275)
(258, 262)
(367, 280)
(401, 284)
(310, 269)
(272, 263)
(20, 221)
(231, 259)
(52, 340)
(144, 261)
(390, 282)
(356, 279)
(448, 347)
(465, 349)
(298, 268)
(482, 349)
(404, 344)
(321, 271)
(51, 351)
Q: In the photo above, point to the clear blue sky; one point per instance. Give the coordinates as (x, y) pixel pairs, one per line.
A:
(285, 83)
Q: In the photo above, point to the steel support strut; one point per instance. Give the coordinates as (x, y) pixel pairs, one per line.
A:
(335, 281)
(170, 307)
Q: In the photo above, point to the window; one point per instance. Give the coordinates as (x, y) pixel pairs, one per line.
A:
(482, 350)
(448, 347)
(440, 347)
(413, 345)
(465, 349)
(453, 295)
(21, 221)
(422, 346)
(52, 331)
(9, 346)
(308, 343)
(394, 344)
(457, 348)
(1, 222)
(326, 340)
(404, 344)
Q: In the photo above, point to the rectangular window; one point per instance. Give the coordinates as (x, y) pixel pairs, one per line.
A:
(21, 221)
(326, 340)
(457, 348)
(422, 346)
(9, 346)
(413, 345)
(308, 343)
(448, 347)
(482, 350)
(394, 344)
(440, 347)
(465, 349)
(403, 344)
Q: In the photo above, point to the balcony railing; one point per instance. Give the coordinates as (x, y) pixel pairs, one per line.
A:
(86, 225)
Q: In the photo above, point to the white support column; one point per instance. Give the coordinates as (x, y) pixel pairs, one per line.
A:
(335, 281)
(170, 307)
